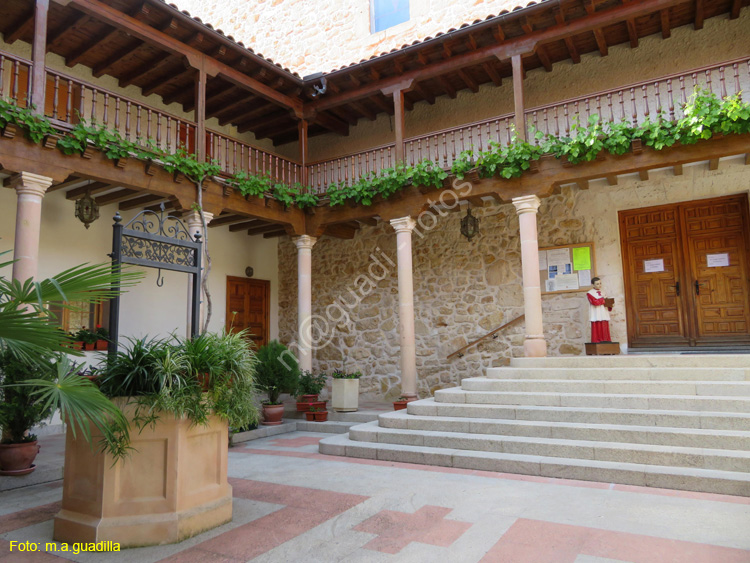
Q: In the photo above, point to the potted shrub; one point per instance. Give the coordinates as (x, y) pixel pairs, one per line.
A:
(345, 391)
(88, 338)
(102, 335)
(317, 414)
(277, 373)
(308, 389)
(176, 442)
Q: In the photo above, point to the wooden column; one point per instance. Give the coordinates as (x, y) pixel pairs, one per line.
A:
(200, 114)
(399, 123)
(302, 128)
(38, 52)
(518, 96)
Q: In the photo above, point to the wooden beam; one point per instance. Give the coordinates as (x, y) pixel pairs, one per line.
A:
(166, 78)
(425, 94)
(369, 221)
(713, 164)
(632, 33)
(75, 21)
(518, 98)
(226, 109)
(447, 86)
(492, 73)
(643, 175)
(302, 127)
(263, 122)
(569, 43)
(583, 184)
(23, 26)
(276, 132)
(153, 65)
(612, 180)
(171, 204)
(140, 202)
(699, 14)
(385, 104)
(93, 188)
(666, 30)
(677, 169)
(264, 229)
(227, 220)
(38, 54)
(399, 119)
(244, 118)
(468, 80)
(244, 225)
(115, 18)
(747, 159)
(342, 231)
(199, 114)
(105, 66)
(115, 197)
(332, 123)
(734, 11)
(70, 181)
(86, 48)
(273, 234)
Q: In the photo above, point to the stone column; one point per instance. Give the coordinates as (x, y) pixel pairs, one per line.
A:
(404, 227)
(304, 300)
(195, 225)
(30, 189)
(534, 344)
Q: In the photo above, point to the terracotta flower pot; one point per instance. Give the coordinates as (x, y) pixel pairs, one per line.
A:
(303, 405)
(317, 416)
(272, 415)
(89, 346)
(76, 345)
(18, 459)
(101, 345)
(399, 405)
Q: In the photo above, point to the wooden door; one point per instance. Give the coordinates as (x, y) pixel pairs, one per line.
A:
(715, 233)
(654, 309)
(248, 306)
(686, 273)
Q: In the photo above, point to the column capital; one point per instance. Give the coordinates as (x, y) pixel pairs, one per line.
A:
(30, 183)
(305, 242)
(526, 204)
(403, 224)
(193, 219)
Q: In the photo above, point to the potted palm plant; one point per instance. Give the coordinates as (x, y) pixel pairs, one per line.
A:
(277, 373)
(345, 390)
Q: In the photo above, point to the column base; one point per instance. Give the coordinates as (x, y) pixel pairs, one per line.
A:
(534, 348)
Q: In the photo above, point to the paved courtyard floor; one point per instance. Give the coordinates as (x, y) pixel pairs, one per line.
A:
(293, 504)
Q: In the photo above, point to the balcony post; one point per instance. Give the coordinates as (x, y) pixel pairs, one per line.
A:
(200, 114)
(399, 123)
(303, 149)
(38, 55)
(517, 64)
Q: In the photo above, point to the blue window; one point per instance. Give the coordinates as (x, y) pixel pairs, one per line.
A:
(387, 13)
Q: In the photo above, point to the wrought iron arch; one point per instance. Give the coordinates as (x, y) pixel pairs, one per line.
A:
(155, 240)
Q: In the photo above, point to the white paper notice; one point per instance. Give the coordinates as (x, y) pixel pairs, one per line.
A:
(717, 260)
(550, 285)
(584, 278)
(566, 281)
(652, 266)
(558, 257)
(542, 259)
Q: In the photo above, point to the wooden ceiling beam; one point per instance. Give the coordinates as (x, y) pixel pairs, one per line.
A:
(343, 231)
(115, 197)
(427, 96)
(264, 229)
(171, 204)
(332, 123)
(568, 40)
(699, 14)
(498, 33)
(243, 118)
(244, 225)
(540, 51)
(226, 110)
(385, 104)
(468, 80)
(666, 30)
(166, 78)
(632, 33)
(140, 202)
(153, 65)
(264, 121)
(273, 234)
(73, 22)
(198, 59)
(24, 25)
(275, 132)
(734, 11)
(93, 188)
(228, 219)
(601, 42)
(86, 48)
(364, 110)
(105, 66)
(369, 221)
(447, 86)
(492, 73)
(70, 181)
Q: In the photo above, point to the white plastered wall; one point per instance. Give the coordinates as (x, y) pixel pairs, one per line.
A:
(145, 309)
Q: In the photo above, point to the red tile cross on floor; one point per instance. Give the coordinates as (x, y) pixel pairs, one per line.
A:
(296, 442)
(396, 530)
(534, 541)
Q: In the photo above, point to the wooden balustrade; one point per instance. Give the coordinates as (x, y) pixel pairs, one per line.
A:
(15, 79)
(350, 167)
(636, 103)
(234, 156)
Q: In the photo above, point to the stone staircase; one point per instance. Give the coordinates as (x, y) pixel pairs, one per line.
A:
(670, 421)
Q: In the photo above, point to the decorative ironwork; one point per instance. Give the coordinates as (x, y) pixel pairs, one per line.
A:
(156, 240)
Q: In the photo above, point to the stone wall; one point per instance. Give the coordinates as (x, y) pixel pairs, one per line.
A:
(464, 289)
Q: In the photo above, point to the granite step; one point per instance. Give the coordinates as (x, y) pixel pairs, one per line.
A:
(597, 400)
(625, 373)
(702, 458)
(634, 434)
(552, 414)
(713, 361)
(627, 473)
(699, 388)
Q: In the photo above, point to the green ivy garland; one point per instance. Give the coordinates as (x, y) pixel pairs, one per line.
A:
(704, 115)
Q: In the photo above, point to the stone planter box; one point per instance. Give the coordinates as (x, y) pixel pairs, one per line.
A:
(172, 487)
(345, 395)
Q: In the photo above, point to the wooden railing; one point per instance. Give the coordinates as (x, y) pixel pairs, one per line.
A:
(350, 167)
(492, 334)
(235, 156)
(15, 79)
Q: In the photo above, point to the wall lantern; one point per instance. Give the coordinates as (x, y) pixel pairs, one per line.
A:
(469, 225)
(87, 210)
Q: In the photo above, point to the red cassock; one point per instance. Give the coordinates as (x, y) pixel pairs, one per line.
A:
(599, 327)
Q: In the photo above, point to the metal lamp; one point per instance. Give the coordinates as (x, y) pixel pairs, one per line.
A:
(469, 225)
(87, 210)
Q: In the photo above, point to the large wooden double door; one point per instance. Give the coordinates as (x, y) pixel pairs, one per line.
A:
(248, 307)
(687, 275)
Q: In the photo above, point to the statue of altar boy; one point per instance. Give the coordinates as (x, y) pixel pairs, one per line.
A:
(599, 307)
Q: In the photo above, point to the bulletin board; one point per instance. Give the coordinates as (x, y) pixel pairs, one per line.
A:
(566, 269)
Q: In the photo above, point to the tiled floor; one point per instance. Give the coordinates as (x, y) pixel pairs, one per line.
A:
(294, 504)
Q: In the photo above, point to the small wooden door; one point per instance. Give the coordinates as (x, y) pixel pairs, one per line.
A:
(686, 273)
(248, 306)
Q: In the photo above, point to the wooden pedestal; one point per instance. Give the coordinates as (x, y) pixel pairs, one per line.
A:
(602, 348)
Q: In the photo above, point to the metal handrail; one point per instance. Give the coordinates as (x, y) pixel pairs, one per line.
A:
(460, 352)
